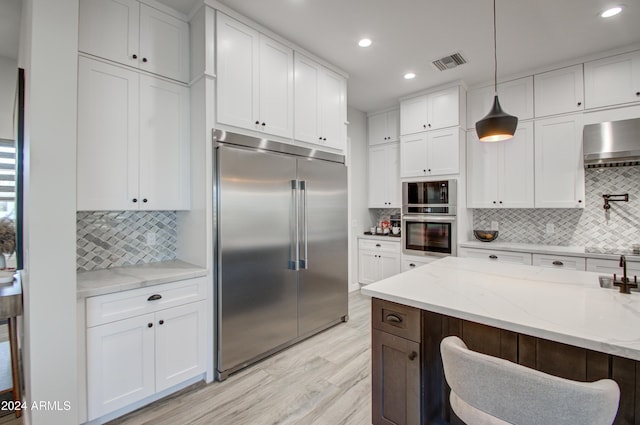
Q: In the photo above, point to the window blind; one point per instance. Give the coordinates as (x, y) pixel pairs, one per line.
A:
(7, 170)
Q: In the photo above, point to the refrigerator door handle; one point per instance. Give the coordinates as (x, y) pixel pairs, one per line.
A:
(304, 260)
(293, 228)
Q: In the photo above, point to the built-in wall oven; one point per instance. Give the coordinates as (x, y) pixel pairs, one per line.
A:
(429, 217)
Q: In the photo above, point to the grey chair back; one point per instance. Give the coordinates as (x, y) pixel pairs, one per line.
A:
(486, 390)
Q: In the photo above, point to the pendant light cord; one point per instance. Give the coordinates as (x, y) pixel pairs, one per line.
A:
(495, 53)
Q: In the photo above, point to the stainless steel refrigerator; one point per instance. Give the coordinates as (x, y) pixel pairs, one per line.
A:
(281, 231)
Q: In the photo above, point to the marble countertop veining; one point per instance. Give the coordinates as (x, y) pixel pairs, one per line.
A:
(566, 306)
(571, 251)
(106, 281)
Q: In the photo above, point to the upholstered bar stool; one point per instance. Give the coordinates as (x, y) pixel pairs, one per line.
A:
(486, 390)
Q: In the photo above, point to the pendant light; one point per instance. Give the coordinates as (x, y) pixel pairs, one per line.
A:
(497, 125)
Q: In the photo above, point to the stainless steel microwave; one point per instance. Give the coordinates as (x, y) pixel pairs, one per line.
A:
(430, 197)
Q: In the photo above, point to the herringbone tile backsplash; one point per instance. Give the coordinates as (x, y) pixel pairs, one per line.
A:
(107, 239)
(591, 226)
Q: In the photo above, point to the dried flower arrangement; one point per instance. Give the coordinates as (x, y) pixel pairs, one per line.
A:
(7, 236)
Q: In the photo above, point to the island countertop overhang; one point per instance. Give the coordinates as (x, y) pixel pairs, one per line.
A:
(559, 305)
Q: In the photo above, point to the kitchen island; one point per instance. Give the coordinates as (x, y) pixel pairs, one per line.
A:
(557, 321)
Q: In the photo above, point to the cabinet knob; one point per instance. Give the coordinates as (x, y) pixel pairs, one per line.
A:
(149, 325)
(424, 126)
(579, 103)
(324, 139)
(429, 170)
(134, 56)
(161, 322)
(424, 171)
(500, 202)
(638, 93)
(429, 125)
(257, 122)
(413, 355)
(144, 60)
(144, 200)
(320, 138)
(579, 201)
(558, 263)
(412, 265)
(494, 202)
(493, 257)
(134, 200)
(263, 124)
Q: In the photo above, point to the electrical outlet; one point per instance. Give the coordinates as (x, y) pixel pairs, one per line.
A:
(151, 238)
(551, 228)
(494, 225)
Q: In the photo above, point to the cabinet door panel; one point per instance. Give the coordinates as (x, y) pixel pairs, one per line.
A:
(516, 97)
(393, 125)
(120, 364)
(368, 267)
(107, 137)
(559, 91)
(482, 173)
(443, 109)
(333, 112)
(389, 265)
(612, 81)
(443, 152)
(394, 187)
(413, 155)
(180, 344)
(237, 73)
(276, 87)
(164, 43)
(378, 177)
(515, 177)
(559, 172)
(413, 115)
(164, 145)
(109, 29)
(307, 115)
(377, 129)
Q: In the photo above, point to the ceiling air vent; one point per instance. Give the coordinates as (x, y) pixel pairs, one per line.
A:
(449, 62)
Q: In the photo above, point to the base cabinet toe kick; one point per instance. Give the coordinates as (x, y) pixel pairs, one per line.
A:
(408, 384)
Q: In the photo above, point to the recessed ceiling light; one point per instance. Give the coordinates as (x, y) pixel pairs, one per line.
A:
(365, 42)
(611, 12)
(409, 76)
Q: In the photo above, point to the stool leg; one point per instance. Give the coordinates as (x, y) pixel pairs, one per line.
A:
(15, 375)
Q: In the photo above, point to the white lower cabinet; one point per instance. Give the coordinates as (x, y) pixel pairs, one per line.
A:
(559, 262)
(377, 260)
(132, 358)
(410, 263)
(496, 255)
(612, 266)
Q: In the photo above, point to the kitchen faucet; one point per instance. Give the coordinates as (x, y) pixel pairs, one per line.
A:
(625, 283)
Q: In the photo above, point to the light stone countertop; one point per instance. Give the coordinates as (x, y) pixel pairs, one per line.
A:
(566, 306)
(106, 281)
(571, 251)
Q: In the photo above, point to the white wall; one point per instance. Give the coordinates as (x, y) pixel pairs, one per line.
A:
(358, 187)
(48, 52)
(8, 79)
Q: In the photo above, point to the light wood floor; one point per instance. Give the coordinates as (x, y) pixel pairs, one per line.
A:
(323, 380)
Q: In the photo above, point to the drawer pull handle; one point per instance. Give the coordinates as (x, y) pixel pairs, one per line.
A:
(558, 263)
(393, 318)
(411, 265)
(154, 297)
(413, 355)
(493, 257)
(378, 245)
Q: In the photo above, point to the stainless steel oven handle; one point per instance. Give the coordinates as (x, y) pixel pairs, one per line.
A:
(304, 261)
(425, 218)
(293, 227)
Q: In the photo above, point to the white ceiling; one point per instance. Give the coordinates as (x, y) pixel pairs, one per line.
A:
(408, 34)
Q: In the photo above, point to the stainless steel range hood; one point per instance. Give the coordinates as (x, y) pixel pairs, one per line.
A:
(612, 143)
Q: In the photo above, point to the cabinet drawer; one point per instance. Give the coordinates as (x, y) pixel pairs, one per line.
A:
(377, 245)
(396, 319)
(121, 305)
(612, 266)
(410, 263)
(496, 255)
(559, 262)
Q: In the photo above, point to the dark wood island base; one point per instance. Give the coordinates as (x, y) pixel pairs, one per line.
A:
(408, 385)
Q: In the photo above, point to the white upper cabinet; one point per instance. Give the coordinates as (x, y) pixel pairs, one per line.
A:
(430, 153)
(254, 79)
(384, 176)
(516, 98)
(384, 127)
(136, 124)
(559, 91)
(559, 167)
(136, 35)
(436, 110)
(500, 175)
(320, 102)
(612, 81)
